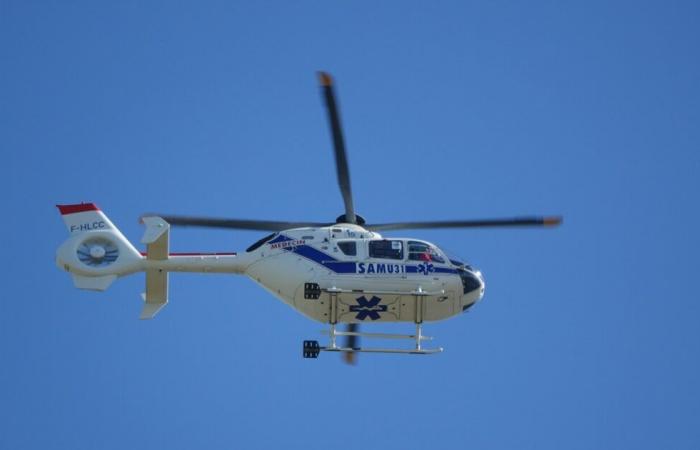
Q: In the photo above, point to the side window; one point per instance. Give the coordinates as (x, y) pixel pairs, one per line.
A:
(420, 251)
(387, 249)
(348, 247)
(417, 251)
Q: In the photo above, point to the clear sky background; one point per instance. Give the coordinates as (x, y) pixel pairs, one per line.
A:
(588, 334)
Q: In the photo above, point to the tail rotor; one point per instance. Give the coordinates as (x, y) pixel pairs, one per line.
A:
(97, 252)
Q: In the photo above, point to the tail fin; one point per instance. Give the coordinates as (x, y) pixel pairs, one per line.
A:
(96, 252)
(84, 217)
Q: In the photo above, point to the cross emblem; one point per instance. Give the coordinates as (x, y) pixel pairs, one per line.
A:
(425, 268)
(368, 308)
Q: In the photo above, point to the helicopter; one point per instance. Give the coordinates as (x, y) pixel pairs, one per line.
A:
(342, 272)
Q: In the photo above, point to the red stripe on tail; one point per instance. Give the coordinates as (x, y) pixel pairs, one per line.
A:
(80, 207)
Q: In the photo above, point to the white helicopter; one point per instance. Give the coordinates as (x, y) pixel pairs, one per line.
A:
(342, 272)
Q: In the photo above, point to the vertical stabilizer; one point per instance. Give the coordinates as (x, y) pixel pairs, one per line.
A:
(96, 251)
(84, 217)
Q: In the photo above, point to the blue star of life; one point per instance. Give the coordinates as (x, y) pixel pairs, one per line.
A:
(425, 268)
(368, 308)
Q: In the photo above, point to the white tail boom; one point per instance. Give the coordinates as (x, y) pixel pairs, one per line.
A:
(97, 253)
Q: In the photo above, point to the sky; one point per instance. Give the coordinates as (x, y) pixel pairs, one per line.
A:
(588, 334)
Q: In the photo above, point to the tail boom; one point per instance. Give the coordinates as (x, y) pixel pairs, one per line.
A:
(199, 263)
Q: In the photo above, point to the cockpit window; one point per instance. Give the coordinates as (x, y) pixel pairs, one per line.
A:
(257, 244)
(348, 247)
(420, 251)
(386, 249)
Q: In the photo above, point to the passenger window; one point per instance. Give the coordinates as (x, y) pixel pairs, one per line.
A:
(420, 251)
(348, 247)
(387, 249)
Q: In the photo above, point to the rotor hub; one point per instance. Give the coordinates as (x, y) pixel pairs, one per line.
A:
(97, 251)
(359, 220)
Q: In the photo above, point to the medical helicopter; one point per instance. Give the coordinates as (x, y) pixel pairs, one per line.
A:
(339, 272)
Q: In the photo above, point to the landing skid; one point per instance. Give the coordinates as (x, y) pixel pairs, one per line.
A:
(312, 349)
(425, 351)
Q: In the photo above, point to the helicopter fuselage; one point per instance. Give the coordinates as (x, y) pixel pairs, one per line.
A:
(341, 273)
(346, 274)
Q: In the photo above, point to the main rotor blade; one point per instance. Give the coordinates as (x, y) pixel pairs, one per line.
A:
(238, 224)
(480, 223)
(341, 160)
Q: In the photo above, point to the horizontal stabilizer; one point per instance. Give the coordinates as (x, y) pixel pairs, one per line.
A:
(156, 295)
(93, 283)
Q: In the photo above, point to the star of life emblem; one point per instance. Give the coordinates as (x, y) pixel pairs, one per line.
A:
(426, 268)
(368, 308)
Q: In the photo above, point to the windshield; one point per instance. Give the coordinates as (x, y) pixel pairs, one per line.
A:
(455, 258)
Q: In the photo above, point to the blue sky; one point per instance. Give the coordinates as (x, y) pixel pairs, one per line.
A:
(588, 334)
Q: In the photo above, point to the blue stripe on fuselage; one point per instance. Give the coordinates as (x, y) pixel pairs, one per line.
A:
(445, 270)
(337, 266)
(317, 256)
(323, 259)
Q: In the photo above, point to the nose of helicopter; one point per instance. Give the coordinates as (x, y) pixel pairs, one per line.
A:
(474, 286)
